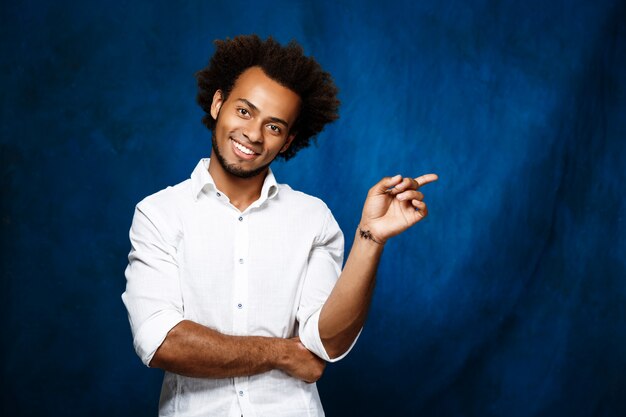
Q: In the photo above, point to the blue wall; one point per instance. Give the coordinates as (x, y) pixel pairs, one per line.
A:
(508, 301)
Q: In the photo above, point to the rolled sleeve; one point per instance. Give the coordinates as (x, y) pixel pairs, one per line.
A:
(323, 270)
(153, 295)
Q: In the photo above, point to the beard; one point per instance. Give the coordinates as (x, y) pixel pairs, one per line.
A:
(232, 168)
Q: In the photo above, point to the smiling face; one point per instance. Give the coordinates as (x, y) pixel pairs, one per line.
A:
(254, 124)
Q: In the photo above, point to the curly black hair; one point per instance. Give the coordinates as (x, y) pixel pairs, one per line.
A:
(286, 65)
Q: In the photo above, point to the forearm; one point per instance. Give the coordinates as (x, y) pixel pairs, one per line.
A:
(345, 310)
(194, 350)
(393, 205)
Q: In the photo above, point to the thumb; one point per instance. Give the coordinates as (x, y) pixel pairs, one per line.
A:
(383, 185)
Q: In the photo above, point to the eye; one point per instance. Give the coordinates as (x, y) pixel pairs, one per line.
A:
(243, 112)
(274, 128)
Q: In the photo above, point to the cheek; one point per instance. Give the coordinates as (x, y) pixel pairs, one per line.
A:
(225, 124)
(279, 146)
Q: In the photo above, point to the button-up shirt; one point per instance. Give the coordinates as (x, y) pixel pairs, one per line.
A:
(266, 271)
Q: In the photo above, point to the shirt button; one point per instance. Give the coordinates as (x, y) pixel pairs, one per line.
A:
(241, 393)
(240, 218)
(239, 305)
(240, 260)
(219, 195)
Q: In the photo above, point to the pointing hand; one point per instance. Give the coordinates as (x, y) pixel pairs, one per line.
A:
(393, 205)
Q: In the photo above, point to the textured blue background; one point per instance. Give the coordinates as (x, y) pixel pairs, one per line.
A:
(508, 301)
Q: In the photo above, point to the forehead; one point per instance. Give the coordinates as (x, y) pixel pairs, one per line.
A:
(268, 96)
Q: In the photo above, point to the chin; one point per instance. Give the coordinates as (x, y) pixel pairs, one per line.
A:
(236, 170)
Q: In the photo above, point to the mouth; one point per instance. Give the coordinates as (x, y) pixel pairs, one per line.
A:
(242, 151)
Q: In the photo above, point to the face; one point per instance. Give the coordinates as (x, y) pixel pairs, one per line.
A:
(253, 125)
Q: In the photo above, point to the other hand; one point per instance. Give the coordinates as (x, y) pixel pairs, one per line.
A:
(301, 363)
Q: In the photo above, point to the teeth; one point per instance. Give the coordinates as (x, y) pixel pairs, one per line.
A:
(243, 148)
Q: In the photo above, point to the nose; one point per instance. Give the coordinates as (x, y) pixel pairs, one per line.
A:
(254, 132)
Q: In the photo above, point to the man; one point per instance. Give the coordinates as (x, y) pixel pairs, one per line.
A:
(234, 282)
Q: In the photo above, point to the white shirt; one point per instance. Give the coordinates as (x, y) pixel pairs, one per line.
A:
(266, 271)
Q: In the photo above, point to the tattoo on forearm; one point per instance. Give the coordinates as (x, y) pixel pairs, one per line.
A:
(366, 234)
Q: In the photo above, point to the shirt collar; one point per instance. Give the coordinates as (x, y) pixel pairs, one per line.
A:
(202, 182)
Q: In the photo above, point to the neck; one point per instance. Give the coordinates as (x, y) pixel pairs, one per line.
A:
(241, 191)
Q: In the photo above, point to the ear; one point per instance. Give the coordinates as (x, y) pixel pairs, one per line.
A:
(216, 105)
(290, 139)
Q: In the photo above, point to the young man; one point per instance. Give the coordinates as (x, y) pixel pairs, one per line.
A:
(234, 282)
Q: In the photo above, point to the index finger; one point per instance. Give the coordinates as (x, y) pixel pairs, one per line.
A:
(426, 179)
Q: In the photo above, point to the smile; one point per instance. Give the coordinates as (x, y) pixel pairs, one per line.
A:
(243, 149)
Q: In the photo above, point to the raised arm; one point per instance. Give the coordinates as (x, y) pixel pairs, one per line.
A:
(392, 206)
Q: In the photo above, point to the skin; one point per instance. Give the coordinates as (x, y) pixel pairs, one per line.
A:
(258, 115)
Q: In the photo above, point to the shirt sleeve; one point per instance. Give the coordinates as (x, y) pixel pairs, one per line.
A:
(153, 296)
(323, 270)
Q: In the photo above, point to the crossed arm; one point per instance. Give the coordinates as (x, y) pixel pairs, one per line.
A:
(194, 350)
(392, 206)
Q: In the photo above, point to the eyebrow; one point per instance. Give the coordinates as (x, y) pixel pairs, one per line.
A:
(256, 109)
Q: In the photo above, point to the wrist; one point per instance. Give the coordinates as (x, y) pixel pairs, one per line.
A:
(364, 233)
(285, 354)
